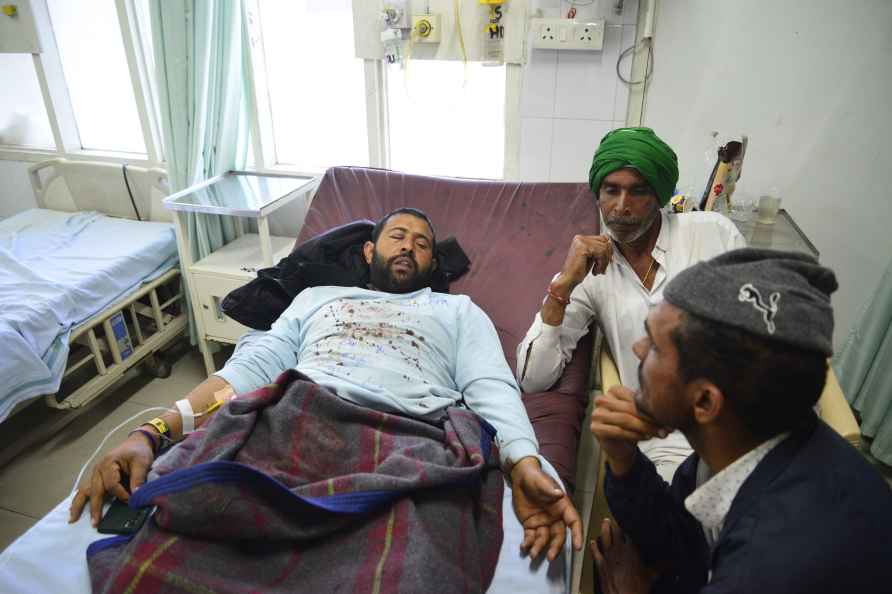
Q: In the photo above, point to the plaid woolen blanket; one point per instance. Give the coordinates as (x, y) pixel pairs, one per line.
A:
(293, 489)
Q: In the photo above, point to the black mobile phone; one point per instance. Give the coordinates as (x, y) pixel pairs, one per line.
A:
(123, 519)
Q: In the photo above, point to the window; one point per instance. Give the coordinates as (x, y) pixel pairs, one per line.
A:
(443, 117)
(446, 122)
(95, 66)
(23, 118)
(316, 84)
(144, 24)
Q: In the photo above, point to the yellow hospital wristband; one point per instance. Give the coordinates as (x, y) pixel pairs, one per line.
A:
(159, 424)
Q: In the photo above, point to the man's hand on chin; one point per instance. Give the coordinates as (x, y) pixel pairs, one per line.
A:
(543, 509)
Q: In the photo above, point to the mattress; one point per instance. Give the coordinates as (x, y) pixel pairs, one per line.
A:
(52, 557)
(58, 269)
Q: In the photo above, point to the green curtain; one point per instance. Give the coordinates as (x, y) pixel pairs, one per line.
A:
(864, 369)
(200, 49)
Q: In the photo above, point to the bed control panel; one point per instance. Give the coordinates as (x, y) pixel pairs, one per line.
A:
(122, 336)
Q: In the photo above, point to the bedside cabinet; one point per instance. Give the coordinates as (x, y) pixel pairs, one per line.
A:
(227, 269)
(244, 195)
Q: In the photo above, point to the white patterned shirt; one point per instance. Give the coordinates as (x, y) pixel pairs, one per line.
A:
(712, 499)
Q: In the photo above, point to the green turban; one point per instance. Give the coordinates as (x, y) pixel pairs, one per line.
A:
(642, 150)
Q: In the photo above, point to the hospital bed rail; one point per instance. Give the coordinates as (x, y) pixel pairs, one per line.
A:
(97, 333)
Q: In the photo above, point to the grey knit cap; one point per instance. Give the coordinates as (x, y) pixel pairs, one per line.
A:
(782, 296)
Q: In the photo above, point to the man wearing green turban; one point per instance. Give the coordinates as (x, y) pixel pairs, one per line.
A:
(639, 149)
(615, 277)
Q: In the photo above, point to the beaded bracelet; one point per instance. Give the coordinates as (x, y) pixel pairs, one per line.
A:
(150, 436)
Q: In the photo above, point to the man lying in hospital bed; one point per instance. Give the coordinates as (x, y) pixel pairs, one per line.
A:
(399, 349)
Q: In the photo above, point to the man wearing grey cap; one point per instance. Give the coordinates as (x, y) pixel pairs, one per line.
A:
(772, 500)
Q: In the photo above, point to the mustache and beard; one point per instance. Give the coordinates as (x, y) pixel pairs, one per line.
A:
(383, 278)
(682, 420)
(643, 409)
(626, 230)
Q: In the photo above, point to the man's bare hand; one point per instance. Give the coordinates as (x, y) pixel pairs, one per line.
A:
(134, 457)
(618, 426)
(620, 570)
(543, 509)
(587, 253)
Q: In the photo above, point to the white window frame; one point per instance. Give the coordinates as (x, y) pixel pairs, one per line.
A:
(57, 101)
(379, 130)
(513, 90)
(376, 111)
(261, 117)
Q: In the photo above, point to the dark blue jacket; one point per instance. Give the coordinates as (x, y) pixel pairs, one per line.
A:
(813, 517)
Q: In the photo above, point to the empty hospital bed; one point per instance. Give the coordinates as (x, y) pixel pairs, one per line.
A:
(516, 236)
(89, 286)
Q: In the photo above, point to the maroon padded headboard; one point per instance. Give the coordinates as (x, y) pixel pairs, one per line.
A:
(516, 235)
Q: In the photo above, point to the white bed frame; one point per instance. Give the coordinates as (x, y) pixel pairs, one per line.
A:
(153, 321)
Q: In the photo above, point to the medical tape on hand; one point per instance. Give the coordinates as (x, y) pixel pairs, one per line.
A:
(187, 415)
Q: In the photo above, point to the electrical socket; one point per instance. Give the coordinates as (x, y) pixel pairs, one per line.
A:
(426, 28)
(567, 34)
(590, 35)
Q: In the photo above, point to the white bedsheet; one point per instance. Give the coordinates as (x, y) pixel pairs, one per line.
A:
(57, 269)
(52, 557)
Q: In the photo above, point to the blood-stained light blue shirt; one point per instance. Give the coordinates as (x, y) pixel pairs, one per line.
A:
(414, 354)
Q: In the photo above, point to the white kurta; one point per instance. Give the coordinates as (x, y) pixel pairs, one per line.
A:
(620, 303)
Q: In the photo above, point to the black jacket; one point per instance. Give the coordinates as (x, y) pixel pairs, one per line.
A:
(813, 517)
(333, 258)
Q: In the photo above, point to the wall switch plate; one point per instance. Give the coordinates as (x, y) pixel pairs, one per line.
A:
(426, 28)
(567, 34)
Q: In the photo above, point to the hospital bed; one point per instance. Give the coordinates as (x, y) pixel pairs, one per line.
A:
(89, 287)
(516, 236)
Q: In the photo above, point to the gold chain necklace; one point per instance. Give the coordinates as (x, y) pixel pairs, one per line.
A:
(649, 269)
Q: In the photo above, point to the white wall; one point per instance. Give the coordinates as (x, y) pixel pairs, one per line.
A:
(571, 99)
(810, 82)
(15, 188)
